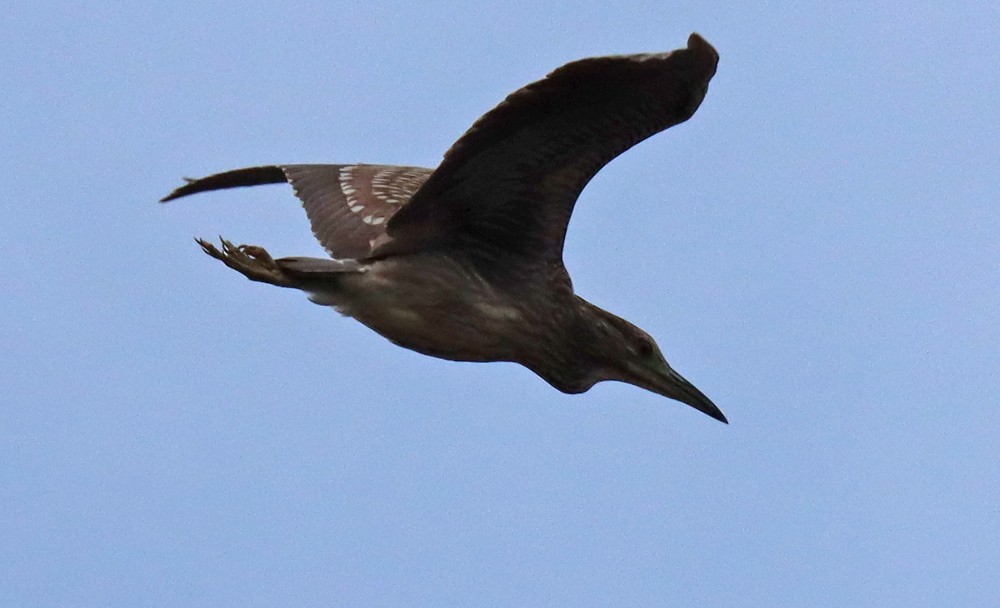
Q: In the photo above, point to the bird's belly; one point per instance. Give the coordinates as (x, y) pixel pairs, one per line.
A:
(445, 314)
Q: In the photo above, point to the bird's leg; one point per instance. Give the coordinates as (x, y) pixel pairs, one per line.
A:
(253, 262)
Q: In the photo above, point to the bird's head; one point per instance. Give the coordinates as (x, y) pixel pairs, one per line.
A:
(618, 350)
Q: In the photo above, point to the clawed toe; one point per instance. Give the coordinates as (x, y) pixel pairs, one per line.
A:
(253, 262)
(258, 254)
(210, 249)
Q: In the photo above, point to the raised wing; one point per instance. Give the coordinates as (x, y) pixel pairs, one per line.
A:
(505, 190)
(348, 205)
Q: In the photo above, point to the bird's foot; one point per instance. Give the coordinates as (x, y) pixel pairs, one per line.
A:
(253, 262)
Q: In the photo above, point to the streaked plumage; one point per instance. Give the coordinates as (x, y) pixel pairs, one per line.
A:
(464, 262)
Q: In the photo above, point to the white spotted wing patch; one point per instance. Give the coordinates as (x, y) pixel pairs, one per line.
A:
(349, 205)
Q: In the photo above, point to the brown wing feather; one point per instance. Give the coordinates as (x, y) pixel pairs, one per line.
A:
(237, 178)
(507, 187)
(348, 205)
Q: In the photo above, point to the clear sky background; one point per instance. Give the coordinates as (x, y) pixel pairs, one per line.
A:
(817, 250)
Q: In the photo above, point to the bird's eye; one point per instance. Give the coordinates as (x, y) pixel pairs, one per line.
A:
(644, 347)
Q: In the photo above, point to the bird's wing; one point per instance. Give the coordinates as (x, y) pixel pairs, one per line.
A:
(506, 189)
(238, 178)
(348, 205)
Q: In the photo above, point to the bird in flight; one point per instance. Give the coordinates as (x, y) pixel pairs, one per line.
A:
(464, 262)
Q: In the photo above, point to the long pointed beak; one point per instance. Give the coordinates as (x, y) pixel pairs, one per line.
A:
(675, 386)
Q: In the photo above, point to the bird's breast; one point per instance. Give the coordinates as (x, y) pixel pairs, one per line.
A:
(433, 305)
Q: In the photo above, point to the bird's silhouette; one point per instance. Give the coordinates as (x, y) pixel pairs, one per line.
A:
(464, 262)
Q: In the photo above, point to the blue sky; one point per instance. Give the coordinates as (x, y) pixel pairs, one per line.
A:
(816, 249)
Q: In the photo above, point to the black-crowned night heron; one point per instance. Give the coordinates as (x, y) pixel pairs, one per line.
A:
(464, 262)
